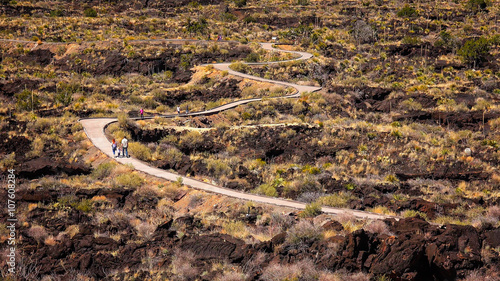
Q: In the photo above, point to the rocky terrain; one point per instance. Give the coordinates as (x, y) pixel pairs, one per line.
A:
(406, 124)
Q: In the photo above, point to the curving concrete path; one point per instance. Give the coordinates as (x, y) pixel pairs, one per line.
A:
(94, 128)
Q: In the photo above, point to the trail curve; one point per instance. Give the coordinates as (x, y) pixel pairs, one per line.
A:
(94, 128)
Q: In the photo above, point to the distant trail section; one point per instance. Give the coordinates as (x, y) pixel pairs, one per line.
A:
(94, 128)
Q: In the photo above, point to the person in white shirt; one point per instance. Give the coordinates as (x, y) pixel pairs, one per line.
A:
(125, 147)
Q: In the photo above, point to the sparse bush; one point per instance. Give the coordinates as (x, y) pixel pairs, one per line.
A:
(478, 276)
(8, 161)
(280, 220)
(38, 233)
(235, 228)
(411, 104)
(303, 232)
(378, 227)
(301, 270)
(494, 212)
(145, 230)
(309, 197)
(232, 276)
(363, 32)
(182, 265)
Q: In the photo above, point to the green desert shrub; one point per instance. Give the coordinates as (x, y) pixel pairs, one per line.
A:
(90, 13)
(240, 3)
(338, 200)
(311, 210)
(130, 180)
(267, 190)
(27, 100)
(191, 140)
(413, 213)
(411, 105)
(477, 5)
(85, 206)
(103, 170)
(240, 67)
(218, 167)
(407, 12)
(140, 151)
(475, 50)
(252, 57)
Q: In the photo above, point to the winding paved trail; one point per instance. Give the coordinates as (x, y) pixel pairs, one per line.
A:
(94, 128)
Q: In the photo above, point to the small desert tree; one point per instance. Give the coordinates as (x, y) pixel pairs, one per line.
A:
(474, 51)
(476, 6)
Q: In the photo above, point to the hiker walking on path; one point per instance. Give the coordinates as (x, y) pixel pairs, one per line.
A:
(113, 147)
(187, 109)
(142, 113)
(178, 110)
(125, 147)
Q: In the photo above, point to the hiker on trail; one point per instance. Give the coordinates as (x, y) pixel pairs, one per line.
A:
(142, 113)
(113, 147)
(125, 147)
(187, 109)
(178, 110)
(219, 38)
(120, 149)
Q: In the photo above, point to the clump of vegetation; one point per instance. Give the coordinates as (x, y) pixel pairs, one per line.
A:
(311, 210)
(130, 180)
(475, 50)
(140, 151)
(303, 232)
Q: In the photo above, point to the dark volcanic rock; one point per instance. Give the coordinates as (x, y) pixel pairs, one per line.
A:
(43, 166)
(216, 246)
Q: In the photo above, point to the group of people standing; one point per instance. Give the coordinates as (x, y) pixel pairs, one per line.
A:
(122, 148)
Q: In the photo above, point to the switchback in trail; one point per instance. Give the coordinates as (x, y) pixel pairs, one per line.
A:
(94, 128)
